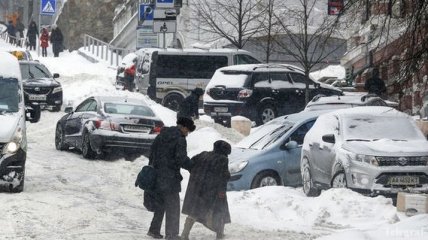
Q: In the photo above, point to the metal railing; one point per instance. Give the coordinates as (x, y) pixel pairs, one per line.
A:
(104, 51)
(19, 42)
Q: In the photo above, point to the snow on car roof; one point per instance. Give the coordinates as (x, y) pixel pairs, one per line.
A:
(346, 99)
(370, 110)
(121, 99)
(262, 67)
(9, 66)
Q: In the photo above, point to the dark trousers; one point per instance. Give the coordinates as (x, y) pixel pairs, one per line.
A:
(56, 48)
(44, 52)
(171, 209)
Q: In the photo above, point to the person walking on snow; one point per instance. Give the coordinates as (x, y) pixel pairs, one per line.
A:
(56, 40)
(205, 199)
(44, 42)
(189, 108)
(375, 85)
(11, 32)
(32, 34)
(168, 154)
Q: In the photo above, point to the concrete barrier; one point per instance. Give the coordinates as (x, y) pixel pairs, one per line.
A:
(241, 124)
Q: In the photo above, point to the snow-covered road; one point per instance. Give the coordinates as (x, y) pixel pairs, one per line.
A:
(69, 197)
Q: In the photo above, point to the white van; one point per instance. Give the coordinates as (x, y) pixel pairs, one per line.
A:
(168, 75)
(13, 114)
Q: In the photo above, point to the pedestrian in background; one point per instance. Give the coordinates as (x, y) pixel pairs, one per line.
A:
(57, 40)
(168, 154)
(32, 34)
(375, 85)
(205, 199)
(19, 31)
(189, 108)
(44, 42)
(11, 32)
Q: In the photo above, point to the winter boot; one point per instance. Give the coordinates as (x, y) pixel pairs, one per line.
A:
(187, 227)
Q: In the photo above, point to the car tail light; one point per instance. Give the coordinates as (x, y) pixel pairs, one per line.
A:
(107, 125)
(245, 93)
(157, 128)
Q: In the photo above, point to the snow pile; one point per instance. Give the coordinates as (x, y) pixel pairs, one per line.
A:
(331, 71)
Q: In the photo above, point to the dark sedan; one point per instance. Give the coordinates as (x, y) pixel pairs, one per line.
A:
(101, 125)
(40, 86)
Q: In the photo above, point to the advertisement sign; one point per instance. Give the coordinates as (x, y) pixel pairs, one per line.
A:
(335, 7)
(146, 38)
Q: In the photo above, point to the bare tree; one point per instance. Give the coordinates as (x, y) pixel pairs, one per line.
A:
(309, 34)
(233, 20)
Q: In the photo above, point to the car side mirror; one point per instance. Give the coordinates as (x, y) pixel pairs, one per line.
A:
(329, 138)
(32, 113)
(291, 145)
(56, 75)
(317, 85)
(68, 109)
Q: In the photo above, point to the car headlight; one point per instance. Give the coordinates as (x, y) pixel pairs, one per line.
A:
(57, 89)
(237, 166)
(13, 146)
(367, 159)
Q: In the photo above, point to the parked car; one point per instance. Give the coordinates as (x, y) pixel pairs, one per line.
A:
(372, 150)
(40, 86)
(13, 115)
(101, 124)
(321, 102)
(271, 154)
(20, 53)
(260, 92)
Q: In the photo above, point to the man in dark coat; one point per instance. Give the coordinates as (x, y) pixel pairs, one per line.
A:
(32, 34)
(375, 85)
(189, 108)
(169, 154)
(205, 199)
(56, 40)
(11, 32)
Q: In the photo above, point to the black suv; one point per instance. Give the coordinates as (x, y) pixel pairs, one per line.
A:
(40, 86)
(260, 92)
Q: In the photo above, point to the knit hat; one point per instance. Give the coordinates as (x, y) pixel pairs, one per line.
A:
(222, 147)
(198, 91)
(187, 123)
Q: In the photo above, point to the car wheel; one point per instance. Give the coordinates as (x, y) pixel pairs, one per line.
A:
(267, 178)
(56, 108)
(60, 139)
(266, 113)
(87, 151)
(308, 185)
(173, 101)
(339, 180)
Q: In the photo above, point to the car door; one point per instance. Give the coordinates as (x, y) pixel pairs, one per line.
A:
(292, 156)
(322, 153)
(297, 93)
(73, 123)
(282, 88)
(262, 90)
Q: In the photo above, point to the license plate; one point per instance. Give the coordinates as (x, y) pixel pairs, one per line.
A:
(37, 97)
(403, 180)
(132, 128)
(221, 109)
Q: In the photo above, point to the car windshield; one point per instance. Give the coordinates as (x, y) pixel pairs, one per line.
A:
(265, 135)
(372, 128)
(128, 109)
(9, 95)
(33, 71)
(230, 78)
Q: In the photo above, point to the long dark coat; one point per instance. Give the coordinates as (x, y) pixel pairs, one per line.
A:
(189, 107)
(208, 177)
(375, 85)
(32, 33)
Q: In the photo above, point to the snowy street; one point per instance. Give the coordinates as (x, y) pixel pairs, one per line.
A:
(69, 197)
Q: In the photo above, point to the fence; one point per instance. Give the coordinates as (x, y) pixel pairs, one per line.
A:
(19, 42)
(104, 51)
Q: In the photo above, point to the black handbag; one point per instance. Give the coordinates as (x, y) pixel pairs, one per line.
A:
(146, 178)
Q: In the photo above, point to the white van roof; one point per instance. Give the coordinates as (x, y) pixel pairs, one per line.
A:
(9, 66)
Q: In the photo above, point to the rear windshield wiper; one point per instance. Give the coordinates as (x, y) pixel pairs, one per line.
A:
(358, 140)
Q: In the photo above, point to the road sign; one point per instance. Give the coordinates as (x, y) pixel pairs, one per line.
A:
(164, 3)
(47, 7)
(146, 38)
(164, 26)
(146, 12)
(165, 14)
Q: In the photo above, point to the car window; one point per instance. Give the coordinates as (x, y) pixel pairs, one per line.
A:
(299, 134)
(9, 95)
(265, 135)
(84, 106)
(92, 107)
(299, 80)
(261, 80)
(244, 59)
(32, 71)
(128, 109)
(231, 79)
(280, 80)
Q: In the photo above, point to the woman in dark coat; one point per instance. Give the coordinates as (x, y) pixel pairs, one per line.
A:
(32, 35)
(57, 40)
(189, 108)
(205, 199)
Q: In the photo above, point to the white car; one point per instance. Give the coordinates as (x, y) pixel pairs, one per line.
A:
(373, 150)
